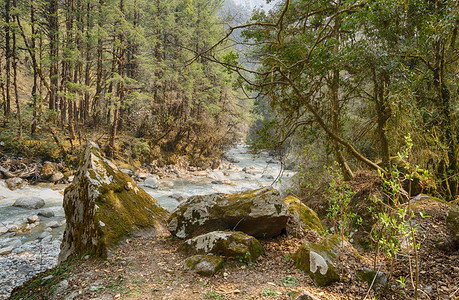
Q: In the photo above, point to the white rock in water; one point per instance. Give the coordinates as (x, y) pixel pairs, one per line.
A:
(44, 234)
(33, 219)
(3, 230)
(47, 213)
(217, 175)
(53, 224)
(29, 202)
(151, 182)
(6, 250)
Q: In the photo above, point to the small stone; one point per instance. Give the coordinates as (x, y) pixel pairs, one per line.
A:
(267, 176)
(29, 202)
(15, 183)
(151, 182)
(3, 230)
(33, 219)
(428, 289)
(302, 295)
(86, 257)
(6, 250)
(47, 213)
(13, 228)
(206, 265)
(44, 234)
(56, 177)
(53, 224)
(44, 279)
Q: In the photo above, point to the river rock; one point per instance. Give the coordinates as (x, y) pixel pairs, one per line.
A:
(6, 250)
(15, 183)
(3, 230)
(33, 219)
(103, 206)
(53, 224)
(319, 260)
(206, 265)
(452, 222)
(260, 213)
(302, 218)
(56, 177)
(216, 176)
(29, 202)
(47, 213)
(227, 244)
(47, 170)
(151, 182)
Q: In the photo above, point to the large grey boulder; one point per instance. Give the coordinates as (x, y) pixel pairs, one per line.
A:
(260, 213)
(234, 244)
(103, 206)
(29, 202)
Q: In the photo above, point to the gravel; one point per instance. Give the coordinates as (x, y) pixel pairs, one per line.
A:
(27, 260)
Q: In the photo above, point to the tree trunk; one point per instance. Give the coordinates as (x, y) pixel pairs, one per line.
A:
(383, 114)
(8, 57)
(53, 27)
(15, 77)
(334, 90)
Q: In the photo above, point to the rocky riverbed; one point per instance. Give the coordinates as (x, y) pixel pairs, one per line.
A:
(30, 237)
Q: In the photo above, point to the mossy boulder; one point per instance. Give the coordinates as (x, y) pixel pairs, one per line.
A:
(452, 222)
(103, 206)
(319, 260)
(232, 244)
(260, 213)
(302, 218)
(47, 170)
(206, 265)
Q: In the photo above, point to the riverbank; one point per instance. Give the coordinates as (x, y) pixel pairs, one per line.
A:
(36, 249)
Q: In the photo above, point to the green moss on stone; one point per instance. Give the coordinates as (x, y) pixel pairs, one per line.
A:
(328, 249)
(307, 217)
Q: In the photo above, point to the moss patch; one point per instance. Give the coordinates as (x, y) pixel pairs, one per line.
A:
(304, 217)
(328, 250)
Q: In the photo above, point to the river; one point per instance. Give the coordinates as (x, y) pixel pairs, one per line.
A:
(37, 249)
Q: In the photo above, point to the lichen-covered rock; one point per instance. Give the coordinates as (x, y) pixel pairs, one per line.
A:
(15, 183)
(234, 244)
(29, 202)
(103, 206)
(320, 260)
(452, 222)
(260, 213)
(206, 265)
(302, 217)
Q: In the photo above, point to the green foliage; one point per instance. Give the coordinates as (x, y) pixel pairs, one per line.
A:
(339, 194)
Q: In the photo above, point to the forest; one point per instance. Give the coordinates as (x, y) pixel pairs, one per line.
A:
(327, 129)
(122, 72)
